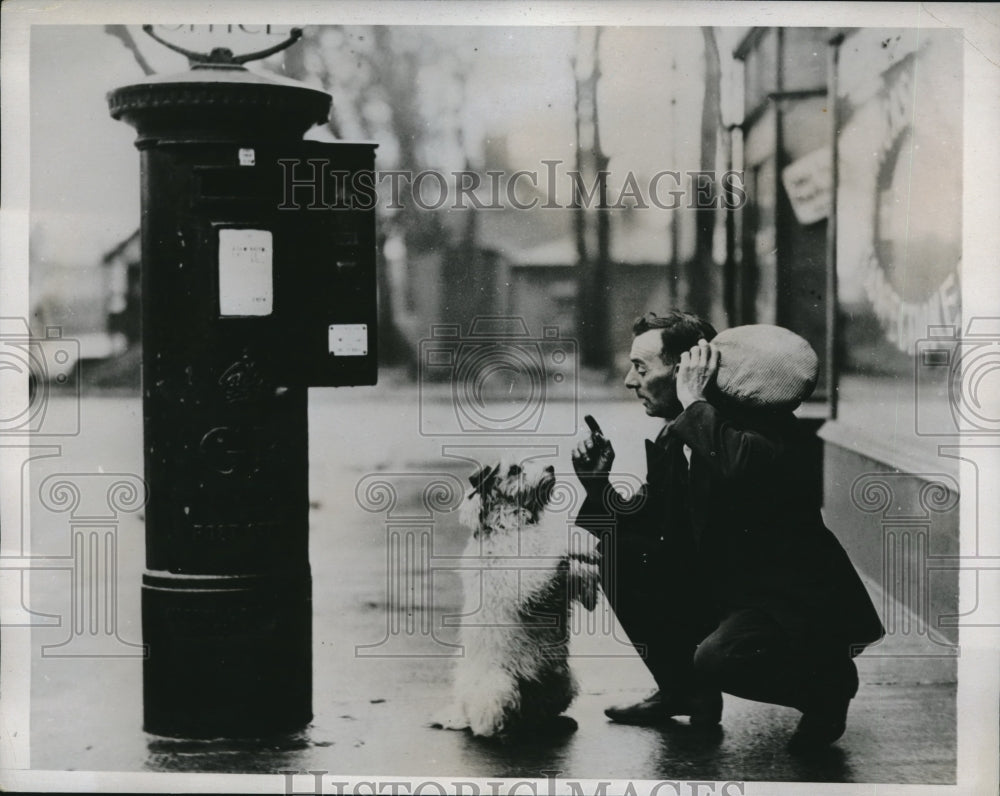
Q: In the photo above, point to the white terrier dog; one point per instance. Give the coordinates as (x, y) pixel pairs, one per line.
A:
(515, 674)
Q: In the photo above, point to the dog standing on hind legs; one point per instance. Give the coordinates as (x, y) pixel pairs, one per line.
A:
(514, 676)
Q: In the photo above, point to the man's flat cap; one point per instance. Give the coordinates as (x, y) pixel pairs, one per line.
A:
(764, 366)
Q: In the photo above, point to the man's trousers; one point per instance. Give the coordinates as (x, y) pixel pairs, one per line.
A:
(745, 653)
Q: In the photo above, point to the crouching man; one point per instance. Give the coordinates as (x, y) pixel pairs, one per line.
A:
(721, 570)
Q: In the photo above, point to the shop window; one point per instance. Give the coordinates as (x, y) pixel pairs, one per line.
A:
(900, 227)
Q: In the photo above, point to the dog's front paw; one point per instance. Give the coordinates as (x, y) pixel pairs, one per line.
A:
(584, 582)
(493, 704)
(487, 724)
(450, 719)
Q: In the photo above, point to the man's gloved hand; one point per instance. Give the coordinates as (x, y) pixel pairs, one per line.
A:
(697, 369)
(593, 457)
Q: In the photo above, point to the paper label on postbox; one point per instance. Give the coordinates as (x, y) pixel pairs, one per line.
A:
(349, 339)
(246, 276)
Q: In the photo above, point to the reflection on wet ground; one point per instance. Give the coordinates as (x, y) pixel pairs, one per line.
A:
(749, 746)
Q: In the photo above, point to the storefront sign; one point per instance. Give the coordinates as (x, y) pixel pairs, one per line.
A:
(911, 270)
(906, 322)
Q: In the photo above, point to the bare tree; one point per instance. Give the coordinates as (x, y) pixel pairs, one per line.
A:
(700, 270)
(375, 74)
(124, 35)
(592, 168)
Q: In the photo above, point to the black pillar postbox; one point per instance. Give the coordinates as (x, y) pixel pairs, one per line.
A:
(258, 280)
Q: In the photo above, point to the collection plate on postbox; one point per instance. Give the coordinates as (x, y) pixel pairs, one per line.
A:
(294, 250)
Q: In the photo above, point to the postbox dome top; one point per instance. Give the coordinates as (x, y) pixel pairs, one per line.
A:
(226, 75)
(218, 98)
(219, 102)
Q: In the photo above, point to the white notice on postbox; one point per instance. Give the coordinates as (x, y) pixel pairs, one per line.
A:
(349, 339)
(246, 277)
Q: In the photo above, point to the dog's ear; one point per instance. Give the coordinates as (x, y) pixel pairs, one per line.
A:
(483, 478)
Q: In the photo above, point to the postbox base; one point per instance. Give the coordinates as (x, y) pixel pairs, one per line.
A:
(229, 656)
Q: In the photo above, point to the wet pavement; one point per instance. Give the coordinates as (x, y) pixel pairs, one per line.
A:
(375, 689)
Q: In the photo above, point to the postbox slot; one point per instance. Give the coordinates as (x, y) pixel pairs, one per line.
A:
(223, 182)
(344, 238)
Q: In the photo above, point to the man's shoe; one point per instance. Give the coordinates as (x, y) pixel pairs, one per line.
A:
(820, 726)
(704, 709)
(824, 717)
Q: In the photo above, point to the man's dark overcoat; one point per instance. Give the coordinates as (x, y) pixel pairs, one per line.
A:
(738, 528)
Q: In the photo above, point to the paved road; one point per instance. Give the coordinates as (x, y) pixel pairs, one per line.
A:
(371, 704)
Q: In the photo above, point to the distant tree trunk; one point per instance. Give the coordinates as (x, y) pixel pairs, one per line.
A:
(701, 269)
(478, 284)
(729, 293)
(592, 164)
(469, 283)
(579, 213)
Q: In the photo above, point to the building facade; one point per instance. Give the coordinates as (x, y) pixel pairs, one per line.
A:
(851, 143)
